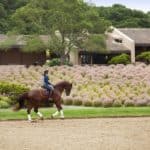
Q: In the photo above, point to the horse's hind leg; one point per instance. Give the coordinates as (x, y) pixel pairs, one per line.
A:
(38, 113)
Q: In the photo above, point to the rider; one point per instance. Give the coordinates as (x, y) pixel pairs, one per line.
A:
(46, 83)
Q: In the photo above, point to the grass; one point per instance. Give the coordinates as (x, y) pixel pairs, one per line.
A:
(79, 112)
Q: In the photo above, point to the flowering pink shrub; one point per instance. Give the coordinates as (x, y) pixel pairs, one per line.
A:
(112, 85)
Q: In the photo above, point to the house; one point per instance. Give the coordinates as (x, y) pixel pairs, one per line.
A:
(132, 41)
(14, 54)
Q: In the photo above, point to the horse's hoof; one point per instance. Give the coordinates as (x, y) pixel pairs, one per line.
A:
(62, 117)
(42, 118)
(32, 121)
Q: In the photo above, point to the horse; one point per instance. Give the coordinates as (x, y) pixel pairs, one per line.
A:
(34, 98)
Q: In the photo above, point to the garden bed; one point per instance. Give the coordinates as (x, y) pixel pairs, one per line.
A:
(98, 86)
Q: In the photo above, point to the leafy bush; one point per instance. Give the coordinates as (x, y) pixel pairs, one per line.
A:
(144, 57)
(121, 59)
(67, 101)
(97, 103)
(12, 90)
(57, 62)
(77, 102)
(54, 62)
(107, 103)
(6, 99)
(140, 102)
(87, 103)
(117, 104)
(68, 63)
(128, 103)
(4, 104)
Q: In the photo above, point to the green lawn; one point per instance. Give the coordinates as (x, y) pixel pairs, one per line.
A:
(80, 112)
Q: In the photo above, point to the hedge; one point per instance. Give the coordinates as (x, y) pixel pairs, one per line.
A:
(121, 59)
(11, 90)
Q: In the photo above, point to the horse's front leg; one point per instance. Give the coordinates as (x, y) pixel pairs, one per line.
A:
(59, 110)
(62, 114)
(55, 114)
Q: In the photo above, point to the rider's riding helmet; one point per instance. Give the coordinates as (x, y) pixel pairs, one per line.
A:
(45, 72)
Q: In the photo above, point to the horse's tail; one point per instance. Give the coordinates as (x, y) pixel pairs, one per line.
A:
(20, 101)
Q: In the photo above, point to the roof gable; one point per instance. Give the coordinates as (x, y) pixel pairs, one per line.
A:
(141, 36)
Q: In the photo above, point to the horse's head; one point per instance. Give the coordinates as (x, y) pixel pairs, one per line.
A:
(64, 85)
(68, 88)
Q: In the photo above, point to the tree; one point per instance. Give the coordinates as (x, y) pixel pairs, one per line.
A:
(96, 43)
(120, 16)
(48, 16)
(3, 21)
(7, 8)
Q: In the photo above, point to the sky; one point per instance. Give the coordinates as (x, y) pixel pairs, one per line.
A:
(143, 5)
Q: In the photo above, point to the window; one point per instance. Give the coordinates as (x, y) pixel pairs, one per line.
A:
(118, 40)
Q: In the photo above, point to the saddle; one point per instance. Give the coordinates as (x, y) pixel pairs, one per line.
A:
(46, 93)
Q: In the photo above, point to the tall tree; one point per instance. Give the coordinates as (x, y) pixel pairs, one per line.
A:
(120, 16)
(73, 19)
(7, 8)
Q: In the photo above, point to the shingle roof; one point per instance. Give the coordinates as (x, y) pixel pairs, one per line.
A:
(111, 46)
(139, 35)
(19, 38)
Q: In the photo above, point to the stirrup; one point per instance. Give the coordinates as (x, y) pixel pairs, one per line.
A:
(51, 100)
(51, 92)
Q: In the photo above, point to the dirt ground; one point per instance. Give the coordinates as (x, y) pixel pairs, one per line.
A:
(76, 134)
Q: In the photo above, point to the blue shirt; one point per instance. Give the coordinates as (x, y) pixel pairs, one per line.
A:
(46, 80)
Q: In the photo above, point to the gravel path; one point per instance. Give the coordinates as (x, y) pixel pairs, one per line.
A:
(76, 134)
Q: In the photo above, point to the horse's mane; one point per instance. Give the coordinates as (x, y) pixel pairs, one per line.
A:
(61, 83)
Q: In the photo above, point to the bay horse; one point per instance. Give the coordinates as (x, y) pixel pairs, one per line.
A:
(34, 99)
